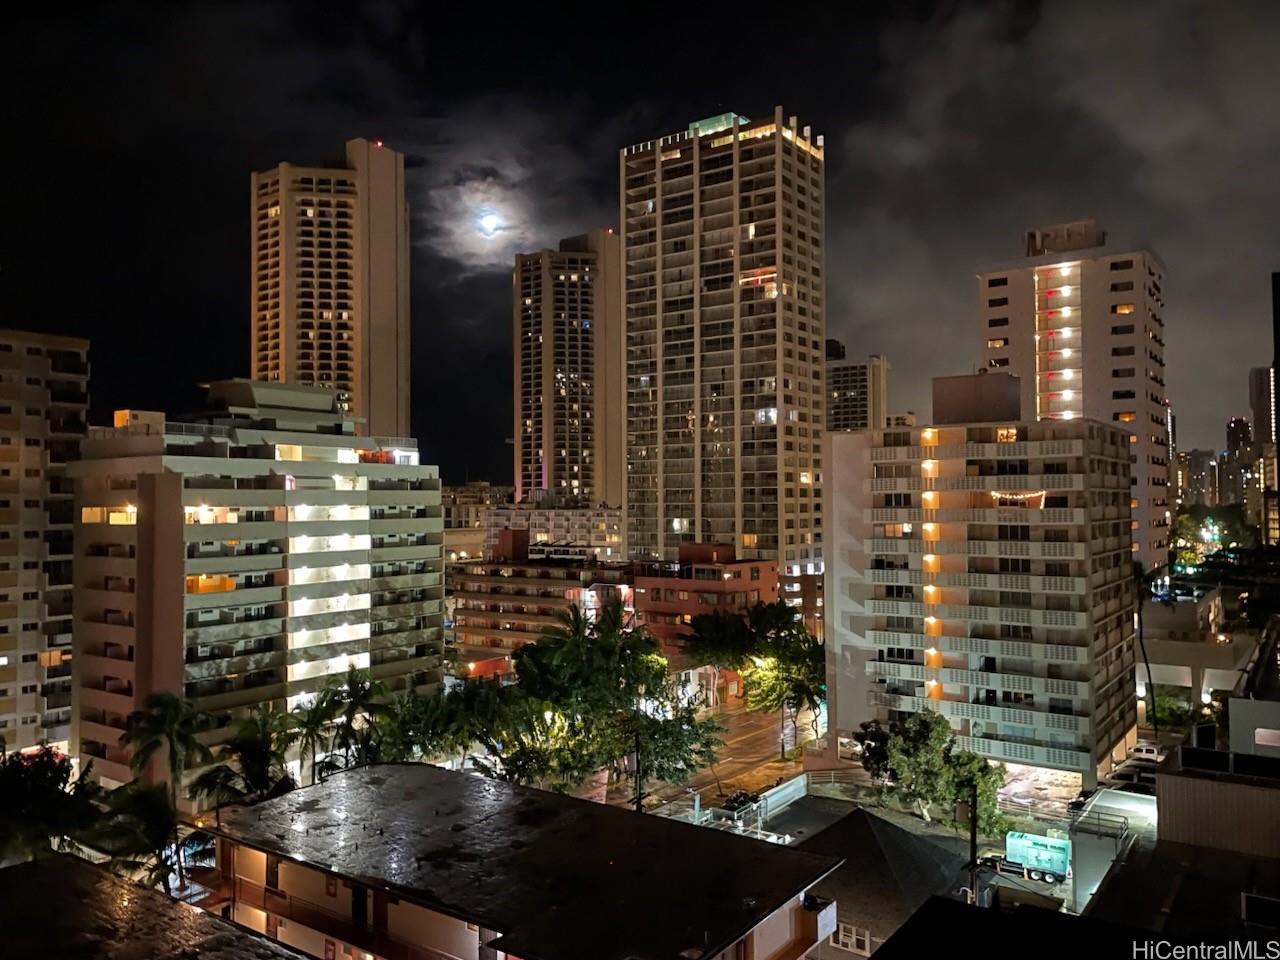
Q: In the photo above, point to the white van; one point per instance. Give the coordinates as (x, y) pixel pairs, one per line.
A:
(1145, 750)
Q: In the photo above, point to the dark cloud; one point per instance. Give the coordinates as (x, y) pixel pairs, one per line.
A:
(132, 130)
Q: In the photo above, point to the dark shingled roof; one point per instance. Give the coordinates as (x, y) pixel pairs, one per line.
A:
(68, 908)
(559, 878)
(888, 872)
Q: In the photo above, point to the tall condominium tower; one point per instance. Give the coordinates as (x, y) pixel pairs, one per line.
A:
(722, 227)
(1081, 322)
(570, 425)
(330, 282)
(982, 570)
(1262, 403)
(44, 384)
(857, 392)
(248, 558)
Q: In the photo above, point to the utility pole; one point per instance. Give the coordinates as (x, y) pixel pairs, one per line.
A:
(639, 801)
(973, 840)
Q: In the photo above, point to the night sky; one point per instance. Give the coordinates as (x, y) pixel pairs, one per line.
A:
(129, 132)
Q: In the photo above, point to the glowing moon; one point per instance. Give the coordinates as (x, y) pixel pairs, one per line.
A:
(489, 223)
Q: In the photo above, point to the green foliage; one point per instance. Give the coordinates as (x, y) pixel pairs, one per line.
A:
(312, 722)
(783, 666)
(1173, 707)
(918, 756)
(172, 724)
(140, 833)
(968, 769)
(40, 807)
(873, 737)
(251, 764)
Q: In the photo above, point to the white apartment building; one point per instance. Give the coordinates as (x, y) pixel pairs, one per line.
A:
(329, 276)
(247, 558)
(723, 259)
(857, 393)
(982, 570)
(1080, 321)
(570, 423)
(43, 401)
(593, 532)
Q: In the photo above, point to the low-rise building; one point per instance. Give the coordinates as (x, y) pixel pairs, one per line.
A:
(465, 508)
(504, 602)
(983, 570)
(247, 557)
(77, 909)
(409, 860)
(708, 579)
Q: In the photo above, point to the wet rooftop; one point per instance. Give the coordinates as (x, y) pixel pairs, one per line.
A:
(68, 908)
(559, 878)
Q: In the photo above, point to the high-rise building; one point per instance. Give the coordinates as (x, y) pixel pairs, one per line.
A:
(1262, 403)
(983, 570)
(44, 383)
(722, 227)
(247, 557)
(329, 281)
(570, 425)
(857, 393)
(1081, 322)
(1238, 463)
(1198, 478)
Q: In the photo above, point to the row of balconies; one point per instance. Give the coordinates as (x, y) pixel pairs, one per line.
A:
(1022, 449)
(1013, 682)
(990, 581)
(1051, 550)
(1074, 516)
(1019, 482)
(975, 645)
(1025, 616)
(986, 713)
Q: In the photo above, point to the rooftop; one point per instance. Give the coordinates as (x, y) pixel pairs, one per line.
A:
(1022, 931)
(523, 861)
(888, 872)
(1179, 890)
(73, 909)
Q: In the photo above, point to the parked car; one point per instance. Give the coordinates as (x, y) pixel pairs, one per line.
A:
(1146, 750)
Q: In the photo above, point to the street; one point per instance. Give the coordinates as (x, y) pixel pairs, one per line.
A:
(748, 760)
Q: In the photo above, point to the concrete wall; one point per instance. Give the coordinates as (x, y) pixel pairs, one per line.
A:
(1251, 719)
(413, 924)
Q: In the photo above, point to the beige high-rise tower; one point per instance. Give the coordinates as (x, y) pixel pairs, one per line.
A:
(330, 282)
(570, 423)
(722, 228)
(1080, 321)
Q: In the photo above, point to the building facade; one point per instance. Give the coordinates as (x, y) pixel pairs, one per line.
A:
(857, 393)
(565, 528)
(1081, 323)
(465, 508)
(507, 600)
(984, 571)
(723, 255)
(44, 398)
(569, 425)
(1198, 478)
(329, 281)
(247, 558)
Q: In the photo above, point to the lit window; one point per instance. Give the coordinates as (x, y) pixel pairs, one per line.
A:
(995, 343)
(1007, 435)
(1122, 308)
(1127, 416)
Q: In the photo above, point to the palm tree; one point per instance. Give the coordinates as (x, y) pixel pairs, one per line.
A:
(139, 833)
(171, 723)
(1142, 581)
(251, 763)
(313, 722)
(358, 698)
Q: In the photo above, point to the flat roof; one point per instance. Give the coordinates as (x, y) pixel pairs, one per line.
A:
(62, 906)
(559, 878)
(942, 923)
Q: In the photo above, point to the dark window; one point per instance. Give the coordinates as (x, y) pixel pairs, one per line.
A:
(1121, 287)
(1122, 394)
(1122, 372)
(998, 302)
(1122, 351)
(1121, 264)
(998, 282)
(998, 362)
(998, 322)
(1122, 329)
